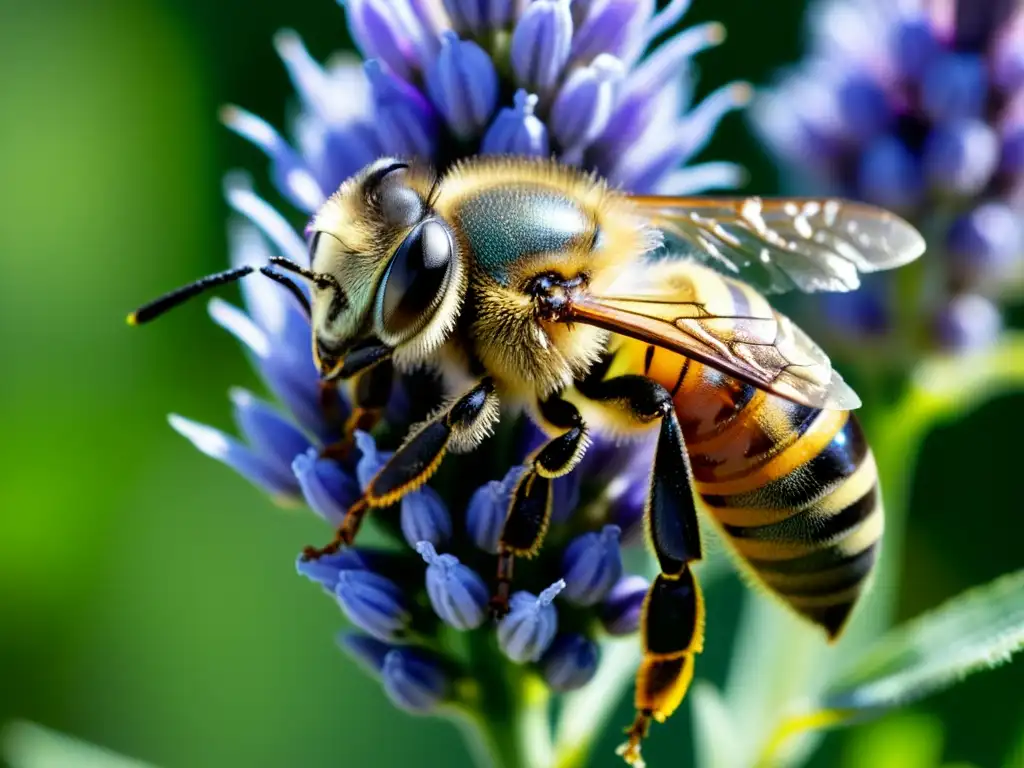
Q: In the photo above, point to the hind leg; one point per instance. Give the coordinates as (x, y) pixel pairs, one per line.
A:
(672, 624)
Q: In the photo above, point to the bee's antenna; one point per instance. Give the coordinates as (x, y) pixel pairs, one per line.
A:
(293, 289)
(168, 301)
(319, 279)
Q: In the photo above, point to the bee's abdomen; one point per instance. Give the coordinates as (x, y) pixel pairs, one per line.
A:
(794, 488)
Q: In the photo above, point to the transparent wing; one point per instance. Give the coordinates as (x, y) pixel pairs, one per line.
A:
(779, 245)
(688, 309)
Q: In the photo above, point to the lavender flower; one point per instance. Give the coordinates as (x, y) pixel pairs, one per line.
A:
(442, 81)
(916, 107)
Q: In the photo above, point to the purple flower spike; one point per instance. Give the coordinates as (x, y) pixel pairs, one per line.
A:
(373, 603)
(541, 44)
(570, 663)
(530, 626)
(585, 103)
(413, 682)
(622, 606)
(864, 106)
(517, 130)
(425, 517)
(406, 122)
(457, 594)
(591, 565)
(463, 85)
(327, 488)
(961, 157)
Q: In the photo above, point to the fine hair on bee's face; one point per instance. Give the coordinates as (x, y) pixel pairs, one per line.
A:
(396, 275)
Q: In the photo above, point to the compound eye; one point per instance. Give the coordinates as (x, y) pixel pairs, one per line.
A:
(400, 205)
(415, 281)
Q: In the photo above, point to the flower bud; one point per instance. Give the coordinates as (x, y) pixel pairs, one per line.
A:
(373, 603)
(585, 102)
(325, 570)
(889, 174)
(570, 663)
(864, 107)
(458, 595)
(250, 464)
(541, 44)
(478, 18)
(368, 652)
(406, 121)
(291, 174)
(381, 29)
(955, 87)
(622, 606)
(530, 626)
(914, 46)
(591, 565)
(617, 27)
(425, 517)
(961, 157)
(412, 681)
(327, 488)
(968, 322)
(370, 459)
(488, 508)
(985, 242)
(463, 85)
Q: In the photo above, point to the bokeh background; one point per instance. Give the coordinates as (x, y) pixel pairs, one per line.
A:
(148, 600)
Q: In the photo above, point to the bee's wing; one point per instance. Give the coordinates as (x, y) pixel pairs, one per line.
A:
(784, 244)
(723, 323)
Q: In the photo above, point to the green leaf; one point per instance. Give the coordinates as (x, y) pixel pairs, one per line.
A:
(979, 629)
(27, 745)
(716, 737)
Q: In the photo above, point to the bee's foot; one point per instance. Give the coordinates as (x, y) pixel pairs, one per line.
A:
(630, 750)
(499, 607)
(315, 553)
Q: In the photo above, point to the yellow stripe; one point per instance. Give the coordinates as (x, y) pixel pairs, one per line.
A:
(721, 438)
(805, 602)
(812, 443)
(869, 530)
(855, 486)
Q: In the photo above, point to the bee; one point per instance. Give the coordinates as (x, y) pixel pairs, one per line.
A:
(531, 286)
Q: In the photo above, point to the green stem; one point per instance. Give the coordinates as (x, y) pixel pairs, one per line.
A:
(504, 717)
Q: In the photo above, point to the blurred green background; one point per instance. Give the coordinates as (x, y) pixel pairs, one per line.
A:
(148, 600)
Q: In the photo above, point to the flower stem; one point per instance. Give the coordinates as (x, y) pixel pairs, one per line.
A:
(507, 726)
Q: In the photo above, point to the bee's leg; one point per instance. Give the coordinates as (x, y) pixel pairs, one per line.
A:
(460, 427)
(370, 392)
(530, 509)
(672, 627)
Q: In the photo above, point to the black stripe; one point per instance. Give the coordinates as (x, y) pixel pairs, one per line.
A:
(648, 358)
(809, 482)
(823, 559)
(808, 527)
(834, 579)
(682, 375)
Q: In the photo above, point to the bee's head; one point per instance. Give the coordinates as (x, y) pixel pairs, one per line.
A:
(386, 267)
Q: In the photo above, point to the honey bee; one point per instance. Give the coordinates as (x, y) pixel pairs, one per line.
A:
(533, 285)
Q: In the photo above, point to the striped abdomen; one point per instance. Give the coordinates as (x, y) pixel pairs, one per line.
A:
(794, 488)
